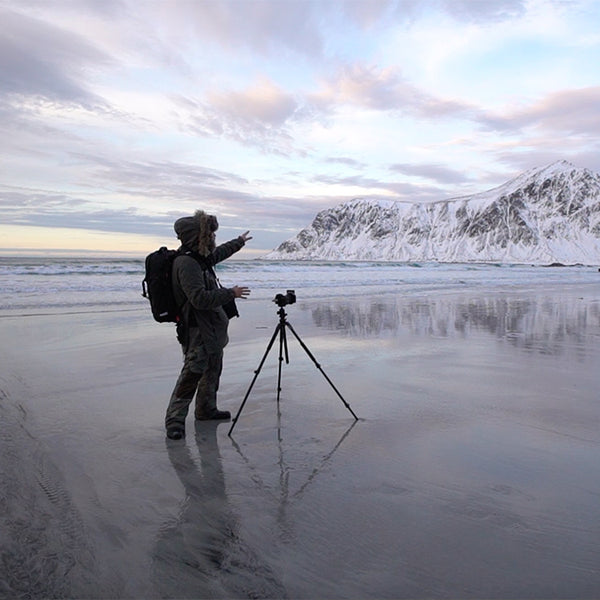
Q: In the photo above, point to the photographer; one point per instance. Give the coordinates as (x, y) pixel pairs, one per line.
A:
(202, 330)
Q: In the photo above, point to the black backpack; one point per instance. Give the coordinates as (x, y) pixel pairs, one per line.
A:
(157, 286)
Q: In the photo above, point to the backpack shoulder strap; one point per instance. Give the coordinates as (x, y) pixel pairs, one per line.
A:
(204, 261)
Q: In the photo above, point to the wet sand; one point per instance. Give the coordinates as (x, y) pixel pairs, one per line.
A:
(473, 470)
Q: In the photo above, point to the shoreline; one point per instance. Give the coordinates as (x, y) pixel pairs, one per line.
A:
(264, 295)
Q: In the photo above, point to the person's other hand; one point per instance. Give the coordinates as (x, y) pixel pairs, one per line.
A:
(245, 236)
(241, 291)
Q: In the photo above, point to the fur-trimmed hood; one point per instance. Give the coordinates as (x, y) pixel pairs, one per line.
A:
(195, 232)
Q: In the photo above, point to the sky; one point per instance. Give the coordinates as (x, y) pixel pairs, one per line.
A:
(119, 116)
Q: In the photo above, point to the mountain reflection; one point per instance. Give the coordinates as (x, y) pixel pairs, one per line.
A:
(542, 323)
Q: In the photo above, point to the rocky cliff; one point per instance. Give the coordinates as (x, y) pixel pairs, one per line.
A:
(545, 215)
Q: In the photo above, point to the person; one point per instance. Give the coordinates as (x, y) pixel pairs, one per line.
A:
(202, 330)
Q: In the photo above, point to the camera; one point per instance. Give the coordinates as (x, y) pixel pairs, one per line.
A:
(283, 299)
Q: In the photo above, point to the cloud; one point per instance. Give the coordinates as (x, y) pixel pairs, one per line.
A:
(42, 61)
(24, 129)
(364, 86)
(434, 172)
(19, 203)
(263, 103)
(569, 111)
(401, 190)
(145, 197)
(304, 27)
(264, 114)
(479, 11)
(259, 115)
(535, 151)
(46, 209)
(367, 14)
(261, 25)
(383, 89)
(345, 161)
(561, 125)
(157, 179)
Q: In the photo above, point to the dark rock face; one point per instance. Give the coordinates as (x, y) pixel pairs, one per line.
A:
(545, 215)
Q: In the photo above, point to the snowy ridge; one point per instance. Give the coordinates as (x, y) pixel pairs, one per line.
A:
(545, 215)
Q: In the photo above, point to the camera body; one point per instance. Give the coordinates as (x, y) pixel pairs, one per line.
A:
(284, 299)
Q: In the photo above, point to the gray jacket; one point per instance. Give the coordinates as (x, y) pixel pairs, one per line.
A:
(197, 291)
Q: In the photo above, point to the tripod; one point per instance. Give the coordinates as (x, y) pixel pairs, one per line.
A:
(283, 348)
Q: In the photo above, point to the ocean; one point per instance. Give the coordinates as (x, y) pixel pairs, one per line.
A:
(57, 284)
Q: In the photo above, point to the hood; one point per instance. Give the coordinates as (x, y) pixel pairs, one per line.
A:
(195, 232)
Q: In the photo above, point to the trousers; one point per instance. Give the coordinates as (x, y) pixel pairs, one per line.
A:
(199, 376)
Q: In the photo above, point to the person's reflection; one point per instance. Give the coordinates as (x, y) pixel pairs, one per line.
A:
(201, 554)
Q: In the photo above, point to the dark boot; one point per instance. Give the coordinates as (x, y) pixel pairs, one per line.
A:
(175, 433)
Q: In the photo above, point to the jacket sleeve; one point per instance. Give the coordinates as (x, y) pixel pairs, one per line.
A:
(192, 279)
(225, 250)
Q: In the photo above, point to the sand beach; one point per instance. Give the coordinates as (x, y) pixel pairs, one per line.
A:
(473, 470)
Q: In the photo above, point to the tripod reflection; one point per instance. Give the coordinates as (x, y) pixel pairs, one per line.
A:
(285, 495)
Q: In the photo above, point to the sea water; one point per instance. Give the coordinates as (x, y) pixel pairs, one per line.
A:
(50, 284)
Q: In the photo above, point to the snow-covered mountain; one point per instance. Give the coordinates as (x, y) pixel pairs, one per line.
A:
(545, 215)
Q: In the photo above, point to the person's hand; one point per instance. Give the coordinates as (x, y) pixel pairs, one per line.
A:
(241, 291)
(246, 237)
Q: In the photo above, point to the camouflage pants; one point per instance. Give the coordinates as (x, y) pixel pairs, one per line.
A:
(200, 376)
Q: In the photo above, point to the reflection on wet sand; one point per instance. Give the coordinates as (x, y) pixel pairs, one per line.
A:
(545, 324)
(203, 554)
(283, 495)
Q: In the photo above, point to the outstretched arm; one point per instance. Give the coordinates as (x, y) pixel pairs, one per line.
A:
(242, 291)
(224, 251)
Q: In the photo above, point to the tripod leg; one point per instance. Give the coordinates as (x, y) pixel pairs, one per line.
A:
(256, 373)
(320, 369)
(282, 347)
